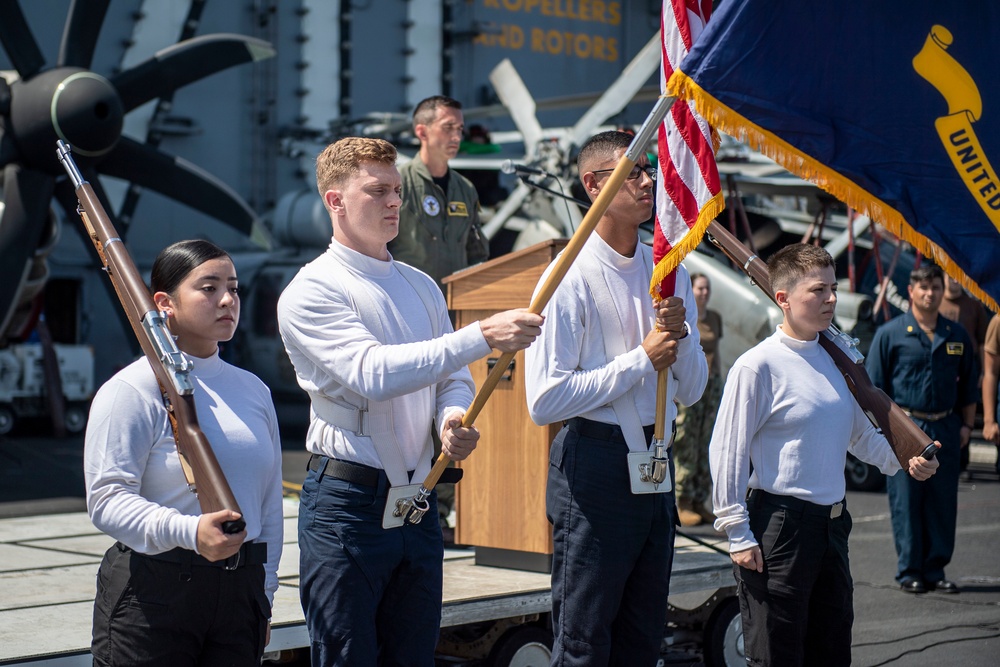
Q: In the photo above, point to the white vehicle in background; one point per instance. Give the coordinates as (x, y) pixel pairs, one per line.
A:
(23, 384)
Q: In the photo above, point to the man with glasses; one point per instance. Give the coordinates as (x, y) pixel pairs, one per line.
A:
(594, 368)
(634, 174)
(439, 227)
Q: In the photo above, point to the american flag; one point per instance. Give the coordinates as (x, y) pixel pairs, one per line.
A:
(688, 195)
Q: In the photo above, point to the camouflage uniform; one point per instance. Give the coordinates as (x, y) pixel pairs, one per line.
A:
(693, 479)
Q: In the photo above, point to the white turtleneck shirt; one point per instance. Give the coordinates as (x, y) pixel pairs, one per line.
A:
(335, 354)
(136, 490)
(787, 410)
(568, 373)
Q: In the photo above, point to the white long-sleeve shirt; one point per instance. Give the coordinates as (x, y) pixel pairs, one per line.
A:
(568, 373)
(787, 410)
(136, 489)
(335, 354)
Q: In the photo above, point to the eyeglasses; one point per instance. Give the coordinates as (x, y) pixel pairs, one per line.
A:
(636, 171)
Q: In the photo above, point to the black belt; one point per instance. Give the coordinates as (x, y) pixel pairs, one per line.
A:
(358, 473)
(759, 497)
(589, 428)
(250, 553)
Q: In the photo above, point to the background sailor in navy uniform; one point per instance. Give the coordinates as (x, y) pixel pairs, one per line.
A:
(926, 364)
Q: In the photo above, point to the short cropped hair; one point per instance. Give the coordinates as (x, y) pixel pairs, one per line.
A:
(426, 109)
(926, 271)
(343, 158)
(601, 148)
(790, 264)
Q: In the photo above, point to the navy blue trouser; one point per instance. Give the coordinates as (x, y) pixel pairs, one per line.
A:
(371, 596)
(799, 611)
(612, 555)
(924, 514)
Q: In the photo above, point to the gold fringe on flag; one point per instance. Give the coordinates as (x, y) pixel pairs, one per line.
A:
(712, 208)
(804, 166)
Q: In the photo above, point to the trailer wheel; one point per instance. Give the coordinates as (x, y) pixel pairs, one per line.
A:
(724, 636)
(7, 420)
(75, 418)
(524, 646)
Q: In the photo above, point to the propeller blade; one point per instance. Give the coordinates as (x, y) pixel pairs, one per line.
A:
(27, 194)
(83, 25)
(65, 194)
(178, 179)
(618, 94)
(9, 151)
(16, 37)
(184, 63)
(519, 102)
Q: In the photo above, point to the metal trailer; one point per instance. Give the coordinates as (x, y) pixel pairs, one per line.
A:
(491, 616)
(23, 384)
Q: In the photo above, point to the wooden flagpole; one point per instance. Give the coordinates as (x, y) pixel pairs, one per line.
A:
(415, 507)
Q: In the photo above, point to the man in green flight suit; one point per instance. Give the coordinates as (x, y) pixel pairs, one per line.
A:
(439, 227)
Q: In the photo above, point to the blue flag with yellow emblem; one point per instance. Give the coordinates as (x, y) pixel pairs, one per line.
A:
(891, 106)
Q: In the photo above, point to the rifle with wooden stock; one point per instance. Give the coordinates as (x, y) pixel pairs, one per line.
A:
(204, 475)
(905, 437)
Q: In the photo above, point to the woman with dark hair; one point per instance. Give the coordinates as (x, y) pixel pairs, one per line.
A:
(175, 589)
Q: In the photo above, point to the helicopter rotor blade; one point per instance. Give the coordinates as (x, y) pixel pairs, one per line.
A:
(518, 100)
(507, 209)
(618, 94)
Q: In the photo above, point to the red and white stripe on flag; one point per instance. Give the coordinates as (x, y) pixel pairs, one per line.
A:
(689, 195)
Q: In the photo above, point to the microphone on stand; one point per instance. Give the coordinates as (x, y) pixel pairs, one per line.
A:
(523, 170)
(511, 167)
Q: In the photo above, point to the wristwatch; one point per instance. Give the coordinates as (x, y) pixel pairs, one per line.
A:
(687, 330)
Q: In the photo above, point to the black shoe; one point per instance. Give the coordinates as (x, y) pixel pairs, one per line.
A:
(912, 585)
(943, 586)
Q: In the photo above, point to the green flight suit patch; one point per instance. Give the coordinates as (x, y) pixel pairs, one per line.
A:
(458, 208)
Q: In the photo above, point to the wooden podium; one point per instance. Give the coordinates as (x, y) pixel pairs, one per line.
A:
(500, 502)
